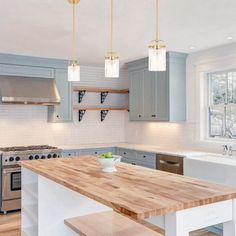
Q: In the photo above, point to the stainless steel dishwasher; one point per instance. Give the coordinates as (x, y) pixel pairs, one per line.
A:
(168, 163)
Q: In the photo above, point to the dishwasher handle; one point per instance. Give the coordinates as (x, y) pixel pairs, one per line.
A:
(172, 163)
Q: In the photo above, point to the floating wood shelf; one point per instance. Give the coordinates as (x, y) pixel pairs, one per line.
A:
(104, 92)
(99, 90)
(115, 224)
(101, 108)
(104, 111)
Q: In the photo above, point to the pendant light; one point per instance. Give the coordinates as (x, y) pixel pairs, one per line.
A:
(73, 67)
(111, 58)
(157, 51)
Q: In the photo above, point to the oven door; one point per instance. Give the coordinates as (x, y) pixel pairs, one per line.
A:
(11, 182)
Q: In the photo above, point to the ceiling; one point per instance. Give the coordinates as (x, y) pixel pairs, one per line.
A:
(43, 28)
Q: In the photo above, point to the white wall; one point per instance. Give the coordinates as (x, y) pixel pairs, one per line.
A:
(27, 125)
(186, 135)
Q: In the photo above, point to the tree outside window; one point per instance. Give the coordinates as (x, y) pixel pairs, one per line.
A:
(222, 104)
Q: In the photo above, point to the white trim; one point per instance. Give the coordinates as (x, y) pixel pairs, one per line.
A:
(201, 69)
(181, 223)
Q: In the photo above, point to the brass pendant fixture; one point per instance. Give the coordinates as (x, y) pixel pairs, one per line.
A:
(73, 67)
(111, 58)
(157, 51)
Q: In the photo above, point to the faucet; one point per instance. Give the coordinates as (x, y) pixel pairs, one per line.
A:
(225, 149)
(230, 151)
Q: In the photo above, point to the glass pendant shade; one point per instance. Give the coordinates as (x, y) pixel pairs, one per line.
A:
(112, 65)
(73, 72)
(157, 56)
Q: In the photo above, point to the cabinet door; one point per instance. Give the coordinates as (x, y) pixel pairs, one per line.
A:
(136, 95)
(28, 71)
(162, 96)
(149, 98)
(64, 111)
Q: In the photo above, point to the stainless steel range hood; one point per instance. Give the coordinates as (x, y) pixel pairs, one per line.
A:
(27, 90)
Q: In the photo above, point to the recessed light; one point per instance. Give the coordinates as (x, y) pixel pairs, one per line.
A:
(191, 47)
(229, 37)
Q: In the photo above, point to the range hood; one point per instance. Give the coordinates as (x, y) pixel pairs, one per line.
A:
(28, 90)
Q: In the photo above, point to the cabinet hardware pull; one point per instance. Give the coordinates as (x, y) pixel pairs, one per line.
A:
(169, 163)
(139, 116)
(153, 115)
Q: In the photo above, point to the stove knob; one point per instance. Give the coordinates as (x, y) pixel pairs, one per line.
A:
(11, 159)
(49, 155)
(54, 155)
(36, 157)
(43, 157)
(31, 157)
(17, 158)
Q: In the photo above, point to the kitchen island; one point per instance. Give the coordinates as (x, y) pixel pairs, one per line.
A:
(55, 190)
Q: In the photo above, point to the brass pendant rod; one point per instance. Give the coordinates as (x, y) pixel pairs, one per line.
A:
(74, 37)
(157, 20)
(111, 29)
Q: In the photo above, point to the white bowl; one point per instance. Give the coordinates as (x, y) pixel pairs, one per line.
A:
(109, 164)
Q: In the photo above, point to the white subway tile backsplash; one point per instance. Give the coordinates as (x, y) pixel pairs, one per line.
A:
(27, 125)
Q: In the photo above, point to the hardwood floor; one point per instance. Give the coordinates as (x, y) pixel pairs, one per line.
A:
(10, 226)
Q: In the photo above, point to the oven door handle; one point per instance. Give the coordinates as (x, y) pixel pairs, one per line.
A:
(10, 170)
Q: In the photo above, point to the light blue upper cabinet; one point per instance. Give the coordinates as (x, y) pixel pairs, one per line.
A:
(64, 111)
(136, 94)
(158, 96)
(28, 71)
(44, 68)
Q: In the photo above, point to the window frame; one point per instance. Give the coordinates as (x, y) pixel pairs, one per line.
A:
(208, 106)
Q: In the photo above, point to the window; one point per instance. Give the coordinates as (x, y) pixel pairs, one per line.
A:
(222, 104)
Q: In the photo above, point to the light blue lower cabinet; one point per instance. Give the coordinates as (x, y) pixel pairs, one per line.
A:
(70, 153)
(96, 151)
(139, 158)
(126, 153)
(145, 159)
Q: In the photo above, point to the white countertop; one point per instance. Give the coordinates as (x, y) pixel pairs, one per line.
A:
(141, 147)
(194, 154)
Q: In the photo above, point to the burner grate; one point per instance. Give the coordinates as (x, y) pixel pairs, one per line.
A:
(26, 148)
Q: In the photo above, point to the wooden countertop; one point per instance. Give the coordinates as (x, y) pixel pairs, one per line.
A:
(134, 191)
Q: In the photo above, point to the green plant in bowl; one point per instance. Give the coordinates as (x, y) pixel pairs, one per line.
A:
(107, 155)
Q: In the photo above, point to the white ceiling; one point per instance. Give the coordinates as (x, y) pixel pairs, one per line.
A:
(43, 28)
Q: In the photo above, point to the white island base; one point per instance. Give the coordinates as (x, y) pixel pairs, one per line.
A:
(46, 204)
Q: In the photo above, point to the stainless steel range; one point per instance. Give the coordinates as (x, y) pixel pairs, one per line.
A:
(10, 177)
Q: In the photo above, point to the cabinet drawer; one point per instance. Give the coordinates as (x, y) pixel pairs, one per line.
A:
(139, 163)
(151, 165)
(172, 164)
(26, 71)
(70, 153)
(127, 153)
(146, 157)
(96, 151)
(129, 161)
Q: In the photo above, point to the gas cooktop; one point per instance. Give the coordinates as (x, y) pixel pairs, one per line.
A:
(11, 155)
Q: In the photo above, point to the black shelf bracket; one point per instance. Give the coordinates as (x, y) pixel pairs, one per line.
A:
(81, 114)
(81, 94)
(104, 114)
(103, 96)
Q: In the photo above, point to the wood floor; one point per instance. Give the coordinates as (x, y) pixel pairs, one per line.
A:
(10, 226)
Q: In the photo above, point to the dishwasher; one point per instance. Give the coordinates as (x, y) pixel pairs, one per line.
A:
(168, 163)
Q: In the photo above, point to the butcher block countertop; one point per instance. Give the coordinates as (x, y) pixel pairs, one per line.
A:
(135, 191)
